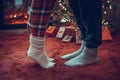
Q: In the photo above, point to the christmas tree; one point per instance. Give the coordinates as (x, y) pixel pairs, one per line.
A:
(62, 13)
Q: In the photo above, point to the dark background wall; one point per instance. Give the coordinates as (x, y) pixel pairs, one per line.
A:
(1, 13)
(114, 14)
(117, 12)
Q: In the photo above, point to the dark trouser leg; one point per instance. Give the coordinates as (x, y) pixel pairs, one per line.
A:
(88, 15)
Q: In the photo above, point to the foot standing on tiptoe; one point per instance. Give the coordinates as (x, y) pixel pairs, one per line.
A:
(39, 16)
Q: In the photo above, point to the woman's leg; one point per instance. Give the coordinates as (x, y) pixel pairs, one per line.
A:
(39, 16)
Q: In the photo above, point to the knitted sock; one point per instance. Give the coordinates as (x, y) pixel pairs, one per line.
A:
(74, 54)
(88, 56)
(37, 53)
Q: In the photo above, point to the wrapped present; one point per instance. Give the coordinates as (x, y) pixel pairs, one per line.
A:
(60, 32)
(106, 35)
(67, 38)
(51, 31)
(71, 32)
(78, 35)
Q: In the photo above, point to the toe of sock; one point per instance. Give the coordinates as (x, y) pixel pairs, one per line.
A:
(64, 57)
(73, 62)
(51, 59)
(68, 56)
(50, 65)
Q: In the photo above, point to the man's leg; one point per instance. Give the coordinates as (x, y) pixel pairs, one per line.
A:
(92, 19)
(39, 16)
(80, 16)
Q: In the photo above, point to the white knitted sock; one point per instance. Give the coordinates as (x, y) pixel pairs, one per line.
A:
(37, 53)
(87, 56)
(74, 54)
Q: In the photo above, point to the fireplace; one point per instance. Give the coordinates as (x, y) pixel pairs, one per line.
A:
(14, 13)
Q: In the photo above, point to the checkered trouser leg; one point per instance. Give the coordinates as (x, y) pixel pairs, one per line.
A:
(39, 16)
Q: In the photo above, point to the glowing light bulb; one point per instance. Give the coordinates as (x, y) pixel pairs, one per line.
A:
(15, 16)
(110, 7)
(105, 12)
(103, 6)
(26, 16)
(108, 1)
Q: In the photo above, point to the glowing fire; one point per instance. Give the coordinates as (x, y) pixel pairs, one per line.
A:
(16, 18)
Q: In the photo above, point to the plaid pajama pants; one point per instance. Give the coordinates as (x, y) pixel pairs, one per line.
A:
(39, 16)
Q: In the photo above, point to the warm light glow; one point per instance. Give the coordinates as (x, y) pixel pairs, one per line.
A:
(105, 12)
(110, 7)
(108, 1)
(11, 16)
(103, 6)
(15, 16)
(26, 16)
(20, 14)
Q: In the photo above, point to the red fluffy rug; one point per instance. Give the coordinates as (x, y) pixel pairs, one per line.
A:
(15, 65)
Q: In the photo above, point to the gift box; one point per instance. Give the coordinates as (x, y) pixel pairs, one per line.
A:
(51, 31)
(71, 32)
(60, 32)
(78, 36)
(67, 38)
(106, 35)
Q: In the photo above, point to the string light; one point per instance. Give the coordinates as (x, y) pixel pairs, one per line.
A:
(107, 6)
(15, 16)
(108, 1)
(105, 12)
(110, 7)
